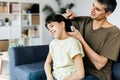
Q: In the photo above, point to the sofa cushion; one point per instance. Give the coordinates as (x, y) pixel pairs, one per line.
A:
(23, 71)
(37, 75)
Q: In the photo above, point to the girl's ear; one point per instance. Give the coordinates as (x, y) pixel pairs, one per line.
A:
(62, 23)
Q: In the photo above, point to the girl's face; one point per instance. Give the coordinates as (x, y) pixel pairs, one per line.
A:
(55, 29)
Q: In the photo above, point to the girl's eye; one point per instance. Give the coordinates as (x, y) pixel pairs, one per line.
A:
(51, 26)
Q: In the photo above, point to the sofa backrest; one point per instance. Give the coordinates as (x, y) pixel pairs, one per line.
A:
(28, 54)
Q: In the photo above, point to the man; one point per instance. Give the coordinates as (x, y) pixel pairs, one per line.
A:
(99, 38)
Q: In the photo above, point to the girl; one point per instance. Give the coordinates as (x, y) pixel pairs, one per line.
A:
(65, 52)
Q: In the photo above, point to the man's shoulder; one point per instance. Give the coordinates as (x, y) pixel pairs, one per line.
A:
(83, 18)
(114, 29)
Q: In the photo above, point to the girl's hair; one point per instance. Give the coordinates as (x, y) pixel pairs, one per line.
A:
(58, 18)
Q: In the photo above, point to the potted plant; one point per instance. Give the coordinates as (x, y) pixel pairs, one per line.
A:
(6, 21)
(62, 9)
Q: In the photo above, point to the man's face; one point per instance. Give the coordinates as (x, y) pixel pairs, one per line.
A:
(98, 11)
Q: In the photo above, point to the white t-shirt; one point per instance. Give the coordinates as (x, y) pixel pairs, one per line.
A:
(62, 52)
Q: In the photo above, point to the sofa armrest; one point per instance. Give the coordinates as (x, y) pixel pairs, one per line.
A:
(28, 54)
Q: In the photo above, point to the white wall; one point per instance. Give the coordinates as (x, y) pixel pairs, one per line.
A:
(115, 17)
(81, 8)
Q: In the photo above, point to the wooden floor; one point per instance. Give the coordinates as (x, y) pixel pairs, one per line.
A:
(4, 77)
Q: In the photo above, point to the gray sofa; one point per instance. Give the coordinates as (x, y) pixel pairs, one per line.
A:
(27, 63)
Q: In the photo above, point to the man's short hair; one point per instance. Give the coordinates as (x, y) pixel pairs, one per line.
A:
(110, 4)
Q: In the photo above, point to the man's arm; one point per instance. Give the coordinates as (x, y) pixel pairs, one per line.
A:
(48, 68)
(79, 75)
(98, 61)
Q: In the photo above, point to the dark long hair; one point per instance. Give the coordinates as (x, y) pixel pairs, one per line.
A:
(59, 18)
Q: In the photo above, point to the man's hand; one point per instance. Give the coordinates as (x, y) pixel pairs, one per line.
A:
(69, 14)
(76, 34)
